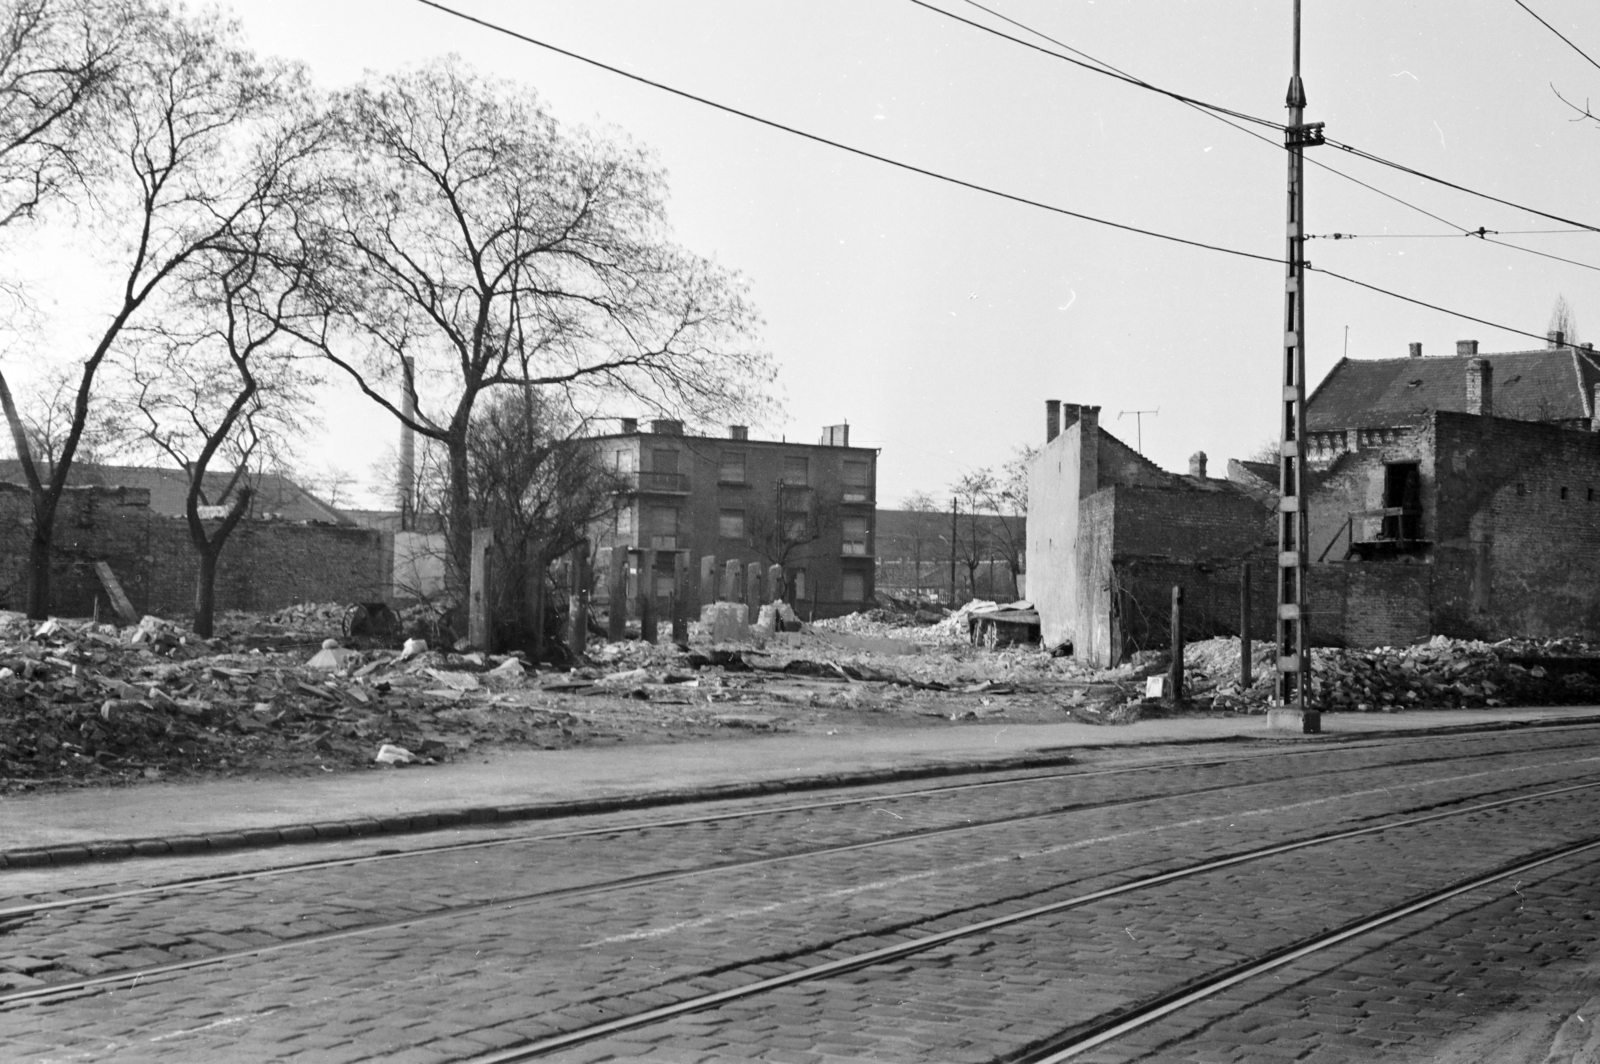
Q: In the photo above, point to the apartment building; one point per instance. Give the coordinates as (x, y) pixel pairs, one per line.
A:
(806, 507)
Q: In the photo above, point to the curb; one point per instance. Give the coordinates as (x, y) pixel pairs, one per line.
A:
(402, 824)
(414, 823)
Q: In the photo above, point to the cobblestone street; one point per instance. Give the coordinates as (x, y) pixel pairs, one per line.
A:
(1011, 916)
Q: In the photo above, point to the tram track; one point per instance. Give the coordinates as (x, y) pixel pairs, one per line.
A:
(61, 990)
(212, 880)
(1124, 1020)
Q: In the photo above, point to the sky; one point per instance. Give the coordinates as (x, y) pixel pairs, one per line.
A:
(936, 319)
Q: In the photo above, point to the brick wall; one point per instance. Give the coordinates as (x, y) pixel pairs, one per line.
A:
(1137, 543)
(1517, 554)
(265, 565)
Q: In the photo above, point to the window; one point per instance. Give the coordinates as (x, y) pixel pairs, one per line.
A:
(624, 461)
(663, 527)
(797, 583)
(1522, 489)
(855, 587)
(796, 470)
(664, 460)
(855, 535)
(731, 469)
(857, 481)
(1563, 493)
(730, 524)
(624, 522)
(796, 502)
(1402, 490)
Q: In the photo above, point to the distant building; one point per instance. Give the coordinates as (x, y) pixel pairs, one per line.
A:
(914, 555)
(808, 507)
(276, 496)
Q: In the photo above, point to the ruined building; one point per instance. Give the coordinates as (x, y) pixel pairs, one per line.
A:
(808, 507)
(1110, 533)
(1455, 495)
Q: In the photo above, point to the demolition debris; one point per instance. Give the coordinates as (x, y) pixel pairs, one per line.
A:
(291, 693)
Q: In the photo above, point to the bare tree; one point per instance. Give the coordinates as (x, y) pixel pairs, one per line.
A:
(539, 486)
(1564, 320)
(482, 246)
(923, 530)
(781, 526)
(57, 62)
(216, 381)
(184, 122)
(972, 546)
(1005, 496)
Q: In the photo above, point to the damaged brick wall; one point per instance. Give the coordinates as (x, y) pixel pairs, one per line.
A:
(1137, 543)
(1518, 528)
(265, 565)
(1511, 513)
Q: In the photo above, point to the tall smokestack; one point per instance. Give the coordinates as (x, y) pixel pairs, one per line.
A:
(408, 450)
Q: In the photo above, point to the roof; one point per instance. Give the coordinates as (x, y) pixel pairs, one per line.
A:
(276, 495)
(1549, 384)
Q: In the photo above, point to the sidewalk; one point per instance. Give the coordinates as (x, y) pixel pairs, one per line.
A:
(153, 819)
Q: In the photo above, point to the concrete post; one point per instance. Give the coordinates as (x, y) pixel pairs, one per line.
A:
(647, 595)
(707, 591)
(752, 590)
(479, 632)
(578, 599)
(534, 588)
(730, 581)
(617, 589)
(680, 599)
(774, 582)
(1175, 678)
(1244, 627)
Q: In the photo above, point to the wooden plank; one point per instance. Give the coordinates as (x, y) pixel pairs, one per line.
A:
(119, 599)
(478, 597)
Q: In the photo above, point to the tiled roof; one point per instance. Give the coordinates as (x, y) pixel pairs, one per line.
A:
(1550, 384)
(169, 490)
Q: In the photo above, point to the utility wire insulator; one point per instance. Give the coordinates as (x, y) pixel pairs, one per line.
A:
(1306, 136)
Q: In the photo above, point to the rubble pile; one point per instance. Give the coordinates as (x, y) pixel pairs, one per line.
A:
(1442, 673)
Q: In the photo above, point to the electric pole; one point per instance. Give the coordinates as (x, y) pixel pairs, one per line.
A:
(1294, 648)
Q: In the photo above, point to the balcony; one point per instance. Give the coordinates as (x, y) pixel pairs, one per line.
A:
(1369, 534)
(659, 483)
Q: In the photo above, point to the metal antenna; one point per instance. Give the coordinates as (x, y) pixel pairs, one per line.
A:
(1138, 421)
(1294, 647)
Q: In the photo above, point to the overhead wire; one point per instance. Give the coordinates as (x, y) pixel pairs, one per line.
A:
(1558, 33)
(1211, 112)
(1139, 83)
(936, 175)
(1105, 69)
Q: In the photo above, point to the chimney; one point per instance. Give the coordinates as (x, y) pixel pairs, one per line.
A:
(630, 425)
(1416, 350)
(1466, 347)
(1088, 450)
(1052, 419)
(408, 451)
(1556, 338)
(1480, 387)
(666, 427)
(738, 432)
(1197, 465)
